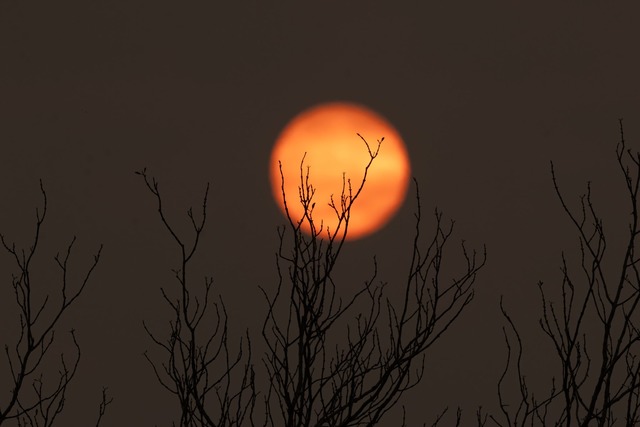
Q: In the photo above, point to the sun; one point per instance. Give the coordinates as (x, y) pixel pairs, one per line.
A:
(326, 136)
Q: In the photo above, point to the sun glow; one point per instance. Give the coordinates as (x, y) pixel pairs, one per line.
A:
(326, 136)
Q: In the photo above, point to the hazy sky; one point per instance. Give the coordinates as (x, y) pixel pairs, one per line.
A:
(484, 93)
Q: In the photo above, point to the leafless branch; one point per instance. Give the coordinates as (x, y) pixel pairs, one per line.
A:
(199, 366)
(315, 380)
(41, 405)
(599, 369)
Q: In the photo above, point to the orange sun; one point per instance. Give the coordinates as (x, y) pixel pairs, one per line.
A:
(328, 134)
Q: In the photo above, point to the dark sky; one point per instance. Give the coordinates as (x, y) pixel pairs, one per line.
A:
(484, 93)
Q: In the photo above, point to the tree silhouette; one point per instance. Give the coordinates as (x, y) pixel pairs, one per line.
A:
(42, 402)
(314, 378)
(319, 377)
(593, 325)
(339, 355)
(198, 360)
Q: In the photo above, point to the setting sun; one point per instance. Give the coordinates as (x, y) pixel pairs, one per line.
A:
(328, 134)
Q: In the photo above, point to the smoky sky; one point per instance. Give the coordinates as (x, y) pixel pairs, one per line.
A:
(485, 94)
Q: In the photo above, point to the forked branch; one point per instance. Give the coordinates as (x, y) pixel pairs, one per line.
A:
(199, 367)
(320, 375)
(42, 402)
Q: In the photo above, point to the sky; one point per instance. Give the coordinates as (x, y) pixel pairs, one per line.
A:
(485, 94)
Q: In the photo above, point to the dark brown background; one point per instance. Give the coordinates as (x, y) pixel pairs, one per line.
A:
(485, 94)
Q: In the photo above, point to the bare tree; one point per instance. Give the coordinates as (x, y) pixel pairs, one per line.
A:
(42, 402)
(318, 377)
(199, 367)
(593, 325)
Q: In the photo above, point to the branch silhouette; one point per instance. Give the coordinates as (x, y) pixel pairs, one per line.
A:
(314, 378)
(198, 364)
(42, 402)
(593, 325)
